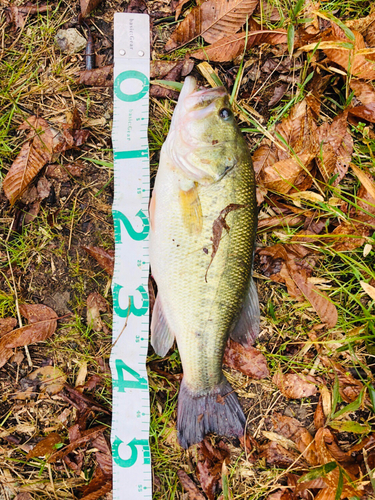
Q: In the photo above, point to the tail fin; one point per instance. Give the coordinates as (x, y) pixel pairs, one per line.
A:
(218, 411)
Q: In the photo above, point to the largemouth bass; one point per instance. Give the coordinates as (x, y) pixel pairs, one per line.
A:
(203, 222)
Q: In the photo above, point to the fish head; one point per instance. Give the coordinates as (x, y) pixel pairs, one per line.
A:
(204, 141)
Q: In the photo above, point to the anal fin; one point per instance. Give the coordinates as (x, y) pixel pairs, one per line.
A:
(246, 329)
(161, 336)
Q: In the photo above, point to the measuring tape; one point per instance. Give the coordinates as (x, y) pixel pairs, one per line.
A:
(131, 404)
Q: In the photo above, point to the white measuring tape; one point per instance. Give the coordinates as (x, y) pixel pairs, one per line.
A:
(131, 406)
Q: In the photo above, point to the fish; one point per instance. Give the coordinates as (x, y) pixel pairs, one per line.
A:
(203, 221)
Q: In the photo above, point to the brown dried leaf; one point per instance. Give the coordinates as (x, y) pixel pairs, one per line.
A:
(278, 94)
(99, 77)
(18, 15)
(350, 60)
(159, 67)
(319, 417)
(46, 446)
(7, 325)
(281, 495)
(283, 263)
(42, 324)
(292, 429)
(295, 386)
(349, 236)
(212, 20)
(335, 146)
(282, 175)
(105, 258)
(41, 144)
(324, 456)
(363, 91)
(86, 436)
(88, 6)
(247, 360)
(49, 379)
(209, 466)
(99, 485)
(230, 47)
(96, 304)
(189, 486)
(277, 455)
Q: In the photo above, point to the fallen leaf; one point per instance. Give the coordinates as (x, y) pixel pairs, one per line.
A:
(174, 75)
(96, 304)
(42, 324)
(349, 387)
(319, 417)
(278, 456)
(288, 264)
(348, 236)
(292, 429)
(294, 385)
(281, 220)
(212, 20)
(99, 485)
(209, 466)
(284, 494)
(350, 59)
(88, 6)
(42, 143)
(46, 446)
(159, 67)
(335, 146)
(82, 374)
(189, 486)
(282, 175)
(43, 188)
(86, 436)
(247, 360)
(230, 47)
(98, 77)
(48, 379)
(7, 325)
(278, 94)
(366, 180)
(18, 15)
(324, 457)
(370, 290)
(105, 258)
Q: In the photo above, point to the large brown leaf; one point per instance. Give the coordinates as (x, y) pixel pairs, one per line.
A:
(295, 385)
(353, 60)
(189, 486)
(41, 144)
(105, 258)
(42, 324)
(280, 166)
(229, 47)
(209, 466)
(335, 146)
(247, 360)
(294, 272)
(292, 429)
(212, 20)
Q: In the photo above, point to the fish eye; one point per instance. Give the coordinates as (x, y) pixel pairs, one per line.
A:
(225, 113)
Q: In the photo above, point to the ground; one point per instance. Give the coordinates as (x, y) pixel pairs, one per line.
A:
(319, 242)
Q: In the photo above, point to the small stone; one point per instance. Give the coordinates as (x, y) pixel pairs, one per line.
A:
(70, 41)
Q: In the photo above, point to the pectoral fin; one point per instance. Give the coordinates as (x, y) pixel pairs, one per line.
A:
(161, 336)
(246, 329)
(191, 209)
